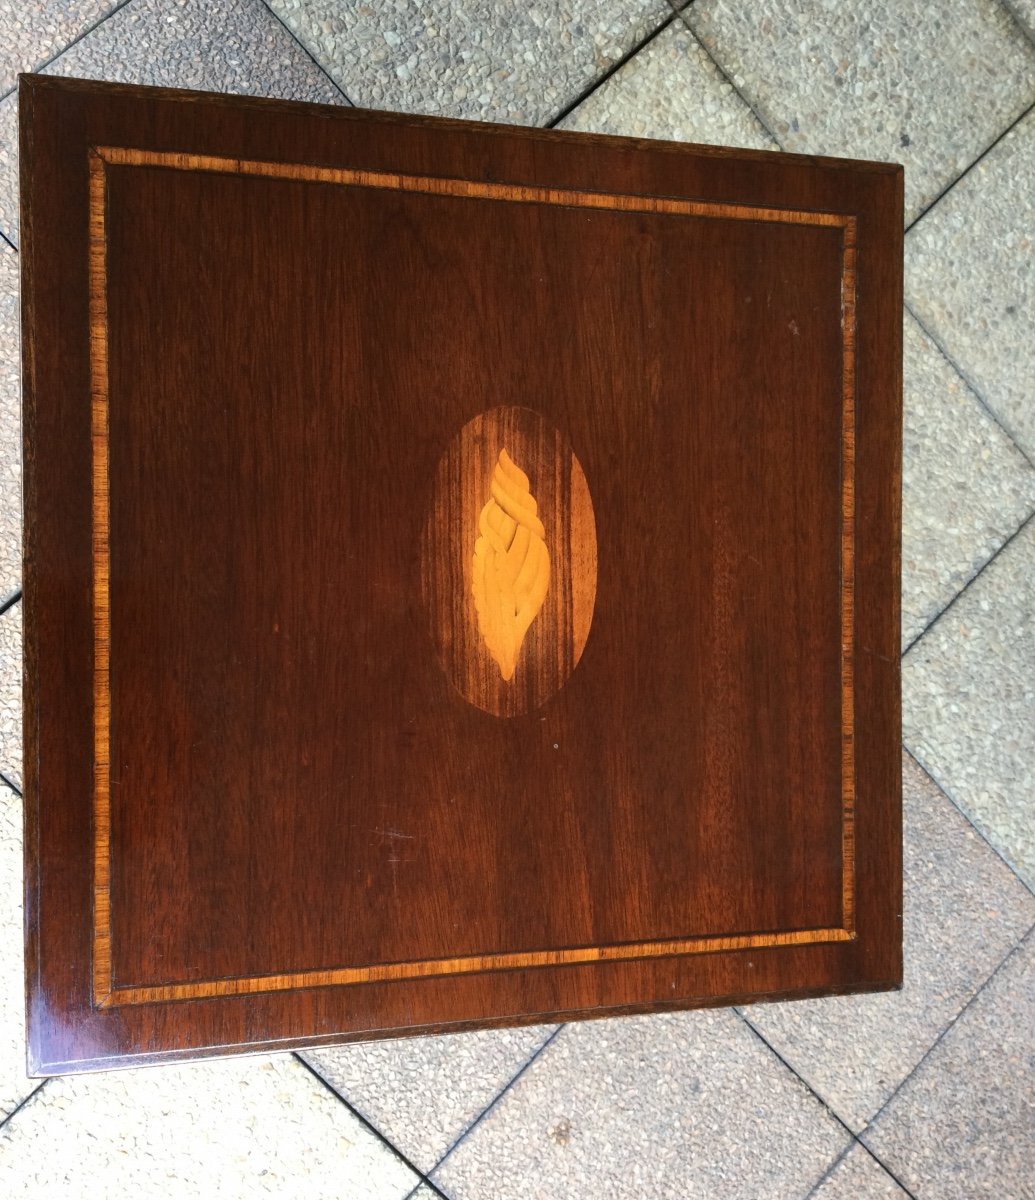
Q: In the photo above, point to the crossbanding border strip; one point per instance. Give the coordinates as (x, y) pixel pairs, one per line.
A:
(105, 994)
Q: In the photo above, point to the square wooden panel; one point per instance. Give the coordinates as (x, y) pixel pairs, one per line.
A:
(461, 574)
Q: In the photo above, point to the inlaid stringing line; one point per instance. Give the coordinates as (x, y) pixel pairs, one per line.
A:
(105, 994)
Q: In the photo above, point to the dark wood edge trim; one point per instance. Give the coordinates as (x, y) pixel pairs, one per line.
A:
(346, 113)
(30, 642)
(105, 993)
(505, 1021)
(848, 773)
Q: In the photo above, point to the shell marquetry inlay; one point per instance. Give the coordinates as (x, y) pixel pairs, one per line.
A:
(511, 564)
(509, 561)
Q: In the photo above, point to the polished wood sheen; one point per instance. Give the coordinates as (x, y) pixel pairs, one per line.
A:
(461, 574)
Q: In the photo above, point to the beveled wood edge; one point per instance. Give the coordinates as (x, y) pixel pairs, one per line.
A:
(43, 1068)
(848, 774)
(29, 82)
(31, 839)
(105, 993)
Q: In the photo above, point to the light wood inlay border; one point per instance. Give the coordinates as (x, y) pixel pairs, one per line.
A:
(102, 967)
(469, 964)
(106, 994)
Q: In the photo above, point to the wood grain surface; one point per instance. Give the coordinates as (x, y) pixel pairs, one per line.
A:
(328, 737)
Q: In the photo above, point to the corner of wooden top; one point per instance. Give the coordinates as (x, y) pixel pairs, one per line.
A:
(33, 81)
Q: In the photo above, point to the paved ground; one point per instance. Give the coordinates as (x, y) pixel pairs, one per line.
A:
(925, 1093)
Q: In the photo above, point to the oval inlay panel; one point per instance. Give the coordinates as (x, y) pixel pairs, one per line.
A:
(509, 561)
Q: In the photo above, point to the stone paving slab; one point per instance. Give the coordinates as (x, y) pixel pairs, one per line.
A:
(489, 60)
(964, 912)
(687, 1104)
(15, 1085)
(11, 694)
(964, 1124)
(968, 700)
(10, 426)
(671, 90)
(859, 1176)
(966, 487)
(969, 278)
(927, 85)
(424, 1093)
(238, 1128)
(210, 45)
(33, 31)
